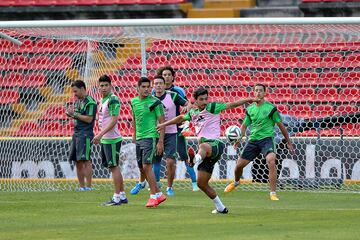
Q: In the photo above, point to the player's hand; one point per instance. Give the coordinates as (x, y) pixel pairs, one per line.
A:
(159, 148)
(236, 143)
(290, 147)
(160, 127)
(134, 138)
(70, 113)
(252, 100)
(96, 139)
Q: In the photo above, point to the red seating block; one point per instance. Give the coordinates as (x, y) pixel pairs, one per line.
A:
(284, 78)
(345, 109)
(327, 95)
(265, 61)
(27, 129)
(126, 94)
(241, 78)
(200, 61)
(304, 94)
(352, 60)
(52, 128)
(235, 94)
(155, 62)
(44, 45)
(218, 78)
(244, 61)
(179, 61)
(266, 78)
(197, 79)
(281, 95)
(60, 63)
(222, 61)
(18, 63)
(39, 62)
(309, 60)
(9, 96)
(332, 60)
(307, 78)
(349, 94)
(351, 78)
(13, 79)
(329, 78)
(133, 63)
(282, 108)
(34, 80)
(55, 112)
(301, 110)
(323, 111)
(287, 60)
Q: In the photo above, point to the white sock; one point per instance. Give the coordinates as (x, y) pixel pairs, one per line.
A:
(198, 158)
(122, 195)
(219, 205)
(236, 183)
(272, 193)
(153, 196)
(116, 197)
(158, 194)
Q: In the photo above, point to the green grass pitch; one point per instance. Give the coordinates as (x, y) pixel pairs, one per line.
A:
(187, 215)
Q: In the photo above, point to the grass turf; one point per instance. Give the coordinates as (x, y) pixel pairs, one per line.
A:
(78, 215)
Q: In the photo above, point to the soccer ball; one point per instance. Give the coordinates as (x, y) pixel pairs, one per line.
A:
(233, 133)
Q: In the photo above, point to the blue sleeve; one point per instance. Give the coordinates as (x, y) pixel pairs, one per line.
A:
(180, 91)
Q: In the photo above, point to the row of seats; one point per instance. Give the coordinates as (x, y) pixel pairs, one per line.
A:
(330, 1)
(225, 61)
(21, 62)
(9, 3)
(44, 45)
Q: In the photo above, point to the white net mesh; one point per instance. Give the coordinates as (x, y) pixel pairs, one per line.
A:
(311, 71)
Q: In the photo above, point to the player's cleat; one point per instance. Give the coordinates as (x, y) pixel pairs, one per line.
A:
(191, 154)
(152, 203)
(225, 211)
(273, 197)
(230, 187)
(161, 199)
(195, 187)
(170, 191)
(87, 189)
(81, 189)
(137, 189)
(111, 203)
(124, 201)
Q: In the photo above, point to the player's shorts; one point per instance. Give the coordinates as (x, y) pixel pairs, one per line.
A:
(217, 149)
(182, 148)
(110, 154)
(80, 148)
(254, 148)
(170, 140)
(146, 151)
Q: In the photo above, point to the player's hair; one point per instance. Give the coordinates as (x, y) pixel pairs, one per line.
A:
(167, 67)
(159, 77)
(105, 78)
(261, 85)
(143, 80)
(78, 84)
(200, 91)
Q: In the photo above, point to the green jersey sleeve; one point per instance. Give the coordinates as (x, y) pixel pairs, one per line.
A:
(187, 116)
(247, 120)
(216, 107)
(158, 108)
(114, 107)
(90, 109)
(275, 116)
(178, 100)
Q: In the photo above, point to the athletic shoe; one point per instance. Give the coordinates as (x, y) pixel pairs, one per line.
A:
(170, 191)
(161, 199)
(124, 201)
(152, 203)
(88, 188)
(195, 187)
(137, 189)
(230, 187)
(81, 189)
(225, 211)
(273, 197)
(191, 154)
(111, 203)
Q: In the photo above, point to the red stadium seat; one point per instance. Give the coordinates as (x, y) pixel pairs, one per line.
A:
(332, 60)
(265, 61)
(218, 78)
(13, 79)
(179, 61)
(3, 62)
(304, 94)
(44, 45)
(197, 79)
(34, 80)
(287, 60)
(154, 62)
(216, 94)
(129, 79)
(244, 61)
(44, 2)
(329, 78)
(200, 61)
(27, 129)
(234, 114)
(235, 94)
(24, 2)
(346, 109)
(52, 128)
(266, 78)
(282, 108)
(349, 95)
(241, 78)
(309, 60)
(301, 110)
(125, 94)
(281, 95)
(60, 63)
(69, 128)
(284, 78)
(352, 60)
(327, 95)
(351, 78)
(222, 61)
(7, 3)
(307, 78)
(125, 112)
(70, 46)
(133, 63)
(18, 63)
(55, 112)
(39, 62)
(9, 96)
(323, 111)
(180, 79)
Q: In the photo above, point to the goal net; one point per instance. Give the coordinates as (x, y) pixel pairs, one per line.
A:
(311, 71)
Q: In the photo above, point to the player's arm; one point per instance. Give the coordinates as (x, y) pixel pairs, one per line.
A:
(159, 111)
(240, 102)
(133, 123)
(286, 136)
(88, 117)
(176, 120)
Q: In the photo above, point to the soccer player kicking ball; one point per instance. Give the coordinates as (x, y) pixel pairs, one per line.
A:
(147, 111)
(110, 139)
(262, 116)
(206, 119)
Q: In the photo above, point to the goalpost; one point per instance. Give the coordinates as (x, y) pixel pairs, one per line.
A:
(311, 67)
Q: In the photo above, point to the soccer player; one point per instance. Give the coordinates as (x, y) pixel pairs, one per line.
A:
(262, 116)
(83, 113)
(206, 119)
(170, 101)
(168, 74)
(147, 111)
(110, 139)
